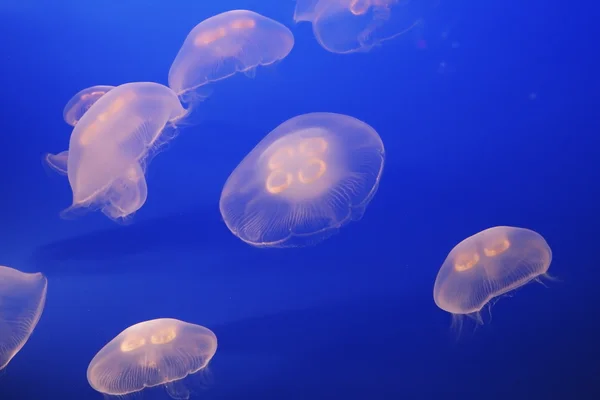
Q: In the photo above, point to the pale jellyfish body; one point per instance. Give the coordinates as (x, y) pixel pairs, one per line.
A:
(22, 299)
(112, 142)
(227, 43)
(82, 101)
(152, 353)
(348, 26)
(58, 162)
(303, 181)
(487, 265)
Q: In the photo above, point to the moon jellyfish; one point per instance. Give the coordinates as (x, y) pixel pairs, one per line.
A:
(22, 299)
(230, 42)
(152, 353)
(487, 265)
(347, 26)
(58, 162)
(112, 143)
(82, 101)
(303, 181)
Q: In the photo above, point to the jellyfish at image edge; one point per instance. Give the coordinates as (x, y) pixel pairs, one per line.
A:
(222, 45)
(112, 144)
(303, 181)
(22, 299)
(348, 26)
(159, 352)
(487, 265)
(74, 110)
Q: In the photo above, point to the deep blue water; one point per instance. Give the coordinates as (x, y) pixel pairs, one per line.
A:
(495, 122)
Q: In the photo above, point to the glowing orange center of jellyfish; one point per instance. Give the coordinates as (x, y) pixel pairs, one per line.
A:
(245, 23)
(132, 343)
(307, 152)
(163, 337)
(497, 248)
(359, 7)
(464, 262)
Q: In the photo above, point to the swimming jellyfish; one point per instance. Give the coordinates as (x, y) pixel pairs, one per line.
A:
(82, 101)
(489, 264)
(347, 26)
(230, 42)
(58, 162)
(74, 110)
(152, 353)
(112, 143)
(22, 299)
(303, 181)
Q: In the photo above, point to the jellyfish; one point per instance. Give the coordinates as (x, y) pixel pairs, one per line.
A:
(112, 144)
(487, 265)
(227, 43)
(57, 162)
(348, 26)
(159, 352)
(82, 101)
(303, 181)
(22, 299)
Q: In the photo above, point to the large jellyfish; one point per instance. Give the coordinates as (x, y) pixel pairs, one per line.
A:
(489, 264)
(112, 143)
(22, 299)
(82, 101)
(347, 26)
(152, 353)
(303, 181)
(230, 42)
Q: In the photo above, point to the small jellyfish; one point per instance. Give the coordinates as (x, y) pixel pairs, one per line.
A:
(58, 162)
(348, 26)
(303, 181)
(487, 265)
(152, 353)
(112, 143)
(230, 42)
(82, 101)
(22, 299)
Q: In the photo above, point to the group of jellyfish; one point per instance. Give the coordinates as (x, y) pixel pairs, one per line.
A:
(302, 182)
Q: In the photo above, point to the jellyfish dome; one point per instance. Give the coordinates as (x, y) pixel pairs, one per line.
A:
(58, 162)
(152, 353)
(230, 42)
(303, 181)
(113, 141)
(22, 299)
(348, 26)
(82, 101)
(489, 264)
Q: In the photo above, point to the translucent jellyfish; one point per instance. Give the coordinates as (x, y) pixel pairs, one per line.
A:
(112, 143)
(22, 299)
(487, 265)
(347, 26)
(58, 162)
(230, 42)
(303, 181)
(152, 353)
(82, 101)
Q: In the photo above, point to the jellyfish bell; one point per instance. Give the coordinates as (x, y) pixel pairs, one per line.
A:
(82, 101)
(223, 45)
(57, 162)
(22, 300)
(349, 26)
(308, 177)
(487, 265)
(124, 128)
(160, 352)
